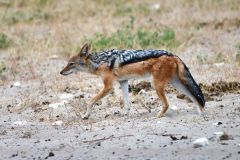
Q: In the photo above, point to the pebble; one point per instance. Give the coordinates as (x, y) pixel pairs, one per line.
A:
(20, 123)
(218, 133)
(217, 123)
(57, 123)
(54, 56)
(56, 105)
(17, 84)
(142, 92)
(219, 64)
(66, 96)
(174, 108)
(201, 142)
(155, 6)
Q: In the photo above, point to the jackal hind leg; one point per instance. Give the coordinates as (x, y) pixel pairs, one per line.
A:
(162, 73)
(161, 94)
(108, 86)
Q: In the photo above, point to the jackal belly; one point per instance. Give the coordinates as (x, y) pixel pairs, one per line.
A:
(146, 76)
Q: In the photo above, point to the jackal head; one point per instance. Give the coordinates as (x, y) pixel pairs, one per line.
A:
(78, 62)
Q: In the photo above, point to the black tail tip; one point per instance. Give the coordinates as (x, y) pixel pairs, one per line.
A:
(201, 100)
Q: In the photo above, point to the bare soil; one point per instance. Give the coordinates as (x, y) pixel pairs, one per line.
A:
(109, 134)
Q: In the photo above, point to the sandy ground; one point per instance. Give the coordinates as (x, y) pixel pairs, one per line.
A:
(27, 130)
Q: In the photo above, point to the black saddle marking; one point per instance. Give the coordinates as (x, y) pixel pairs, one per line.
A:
(123, 57)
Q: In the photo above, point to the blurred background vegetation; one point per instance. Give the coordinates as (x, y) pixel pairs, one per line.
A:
(206, 31)
(66, 25)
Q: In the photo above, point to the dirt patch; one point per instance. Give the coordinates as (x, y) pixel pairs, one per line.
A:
(221, 87)
(226, 23)
(210, 91)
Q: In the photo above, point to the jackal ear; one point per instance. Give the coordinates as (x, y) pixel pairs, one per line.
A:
(85, 51)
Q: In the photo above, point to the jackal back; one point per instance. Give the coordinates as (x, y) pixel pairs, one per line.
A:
(116, 58)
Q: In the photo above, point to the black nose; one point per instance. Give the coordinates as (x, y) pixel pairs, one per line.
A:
(61, 72)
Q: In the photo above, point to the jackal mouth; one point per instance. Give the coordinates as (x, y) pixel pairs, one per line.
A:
(66, 73)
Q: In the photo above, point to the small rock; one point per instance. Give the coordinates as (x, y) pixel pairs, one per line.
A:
(225, 137)
(218, 133)
(219, 64)
(180, 96)
(217, 123)
(98, 143)
(45, 103)
(107, 115)
(116, 112)
(183, 137)
(66, 96)
(174, 108)
(156, 6)
(20, 123)
(57, 123)
(14, 155)
(201, 142)
(17, 84)
(159, 122)
(54, 56)
(56, 105)
(51, 154)
(142, 92)
(173, 138)
(221, 106)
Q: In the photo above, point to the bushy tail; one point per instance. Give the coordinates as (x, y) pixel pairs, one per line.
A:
(185, 83)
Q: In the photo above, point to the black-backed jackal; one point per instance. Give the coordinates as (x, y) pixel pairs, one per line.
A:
(122, 65)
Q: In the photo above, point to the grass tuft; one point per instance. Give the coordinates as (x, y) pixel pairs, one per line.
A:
(2, 71)
(238, 54)
(168, 36)
(129, 37)
(21, 16)
(5, 42)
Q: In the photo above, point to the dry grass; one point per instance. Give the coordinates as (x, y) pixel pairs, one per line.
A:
(205, 30)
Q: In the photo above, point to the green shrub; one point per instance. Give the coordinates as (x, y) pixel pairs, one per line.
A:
(238, 54)
(219, 58)
(2, 69)
(129, 38)
(168, 35)
(5, 42)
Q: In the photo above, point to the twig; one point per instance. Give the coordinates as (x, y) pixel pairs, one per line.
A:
(110, 137)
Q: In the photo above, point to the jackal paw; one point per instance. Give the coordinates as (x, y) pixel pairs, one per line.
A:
(161, 115)
(204, 116)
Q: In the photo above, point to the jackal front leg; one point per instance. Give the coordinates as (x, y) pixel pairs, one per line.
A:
(124, 87)
(108, 86)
